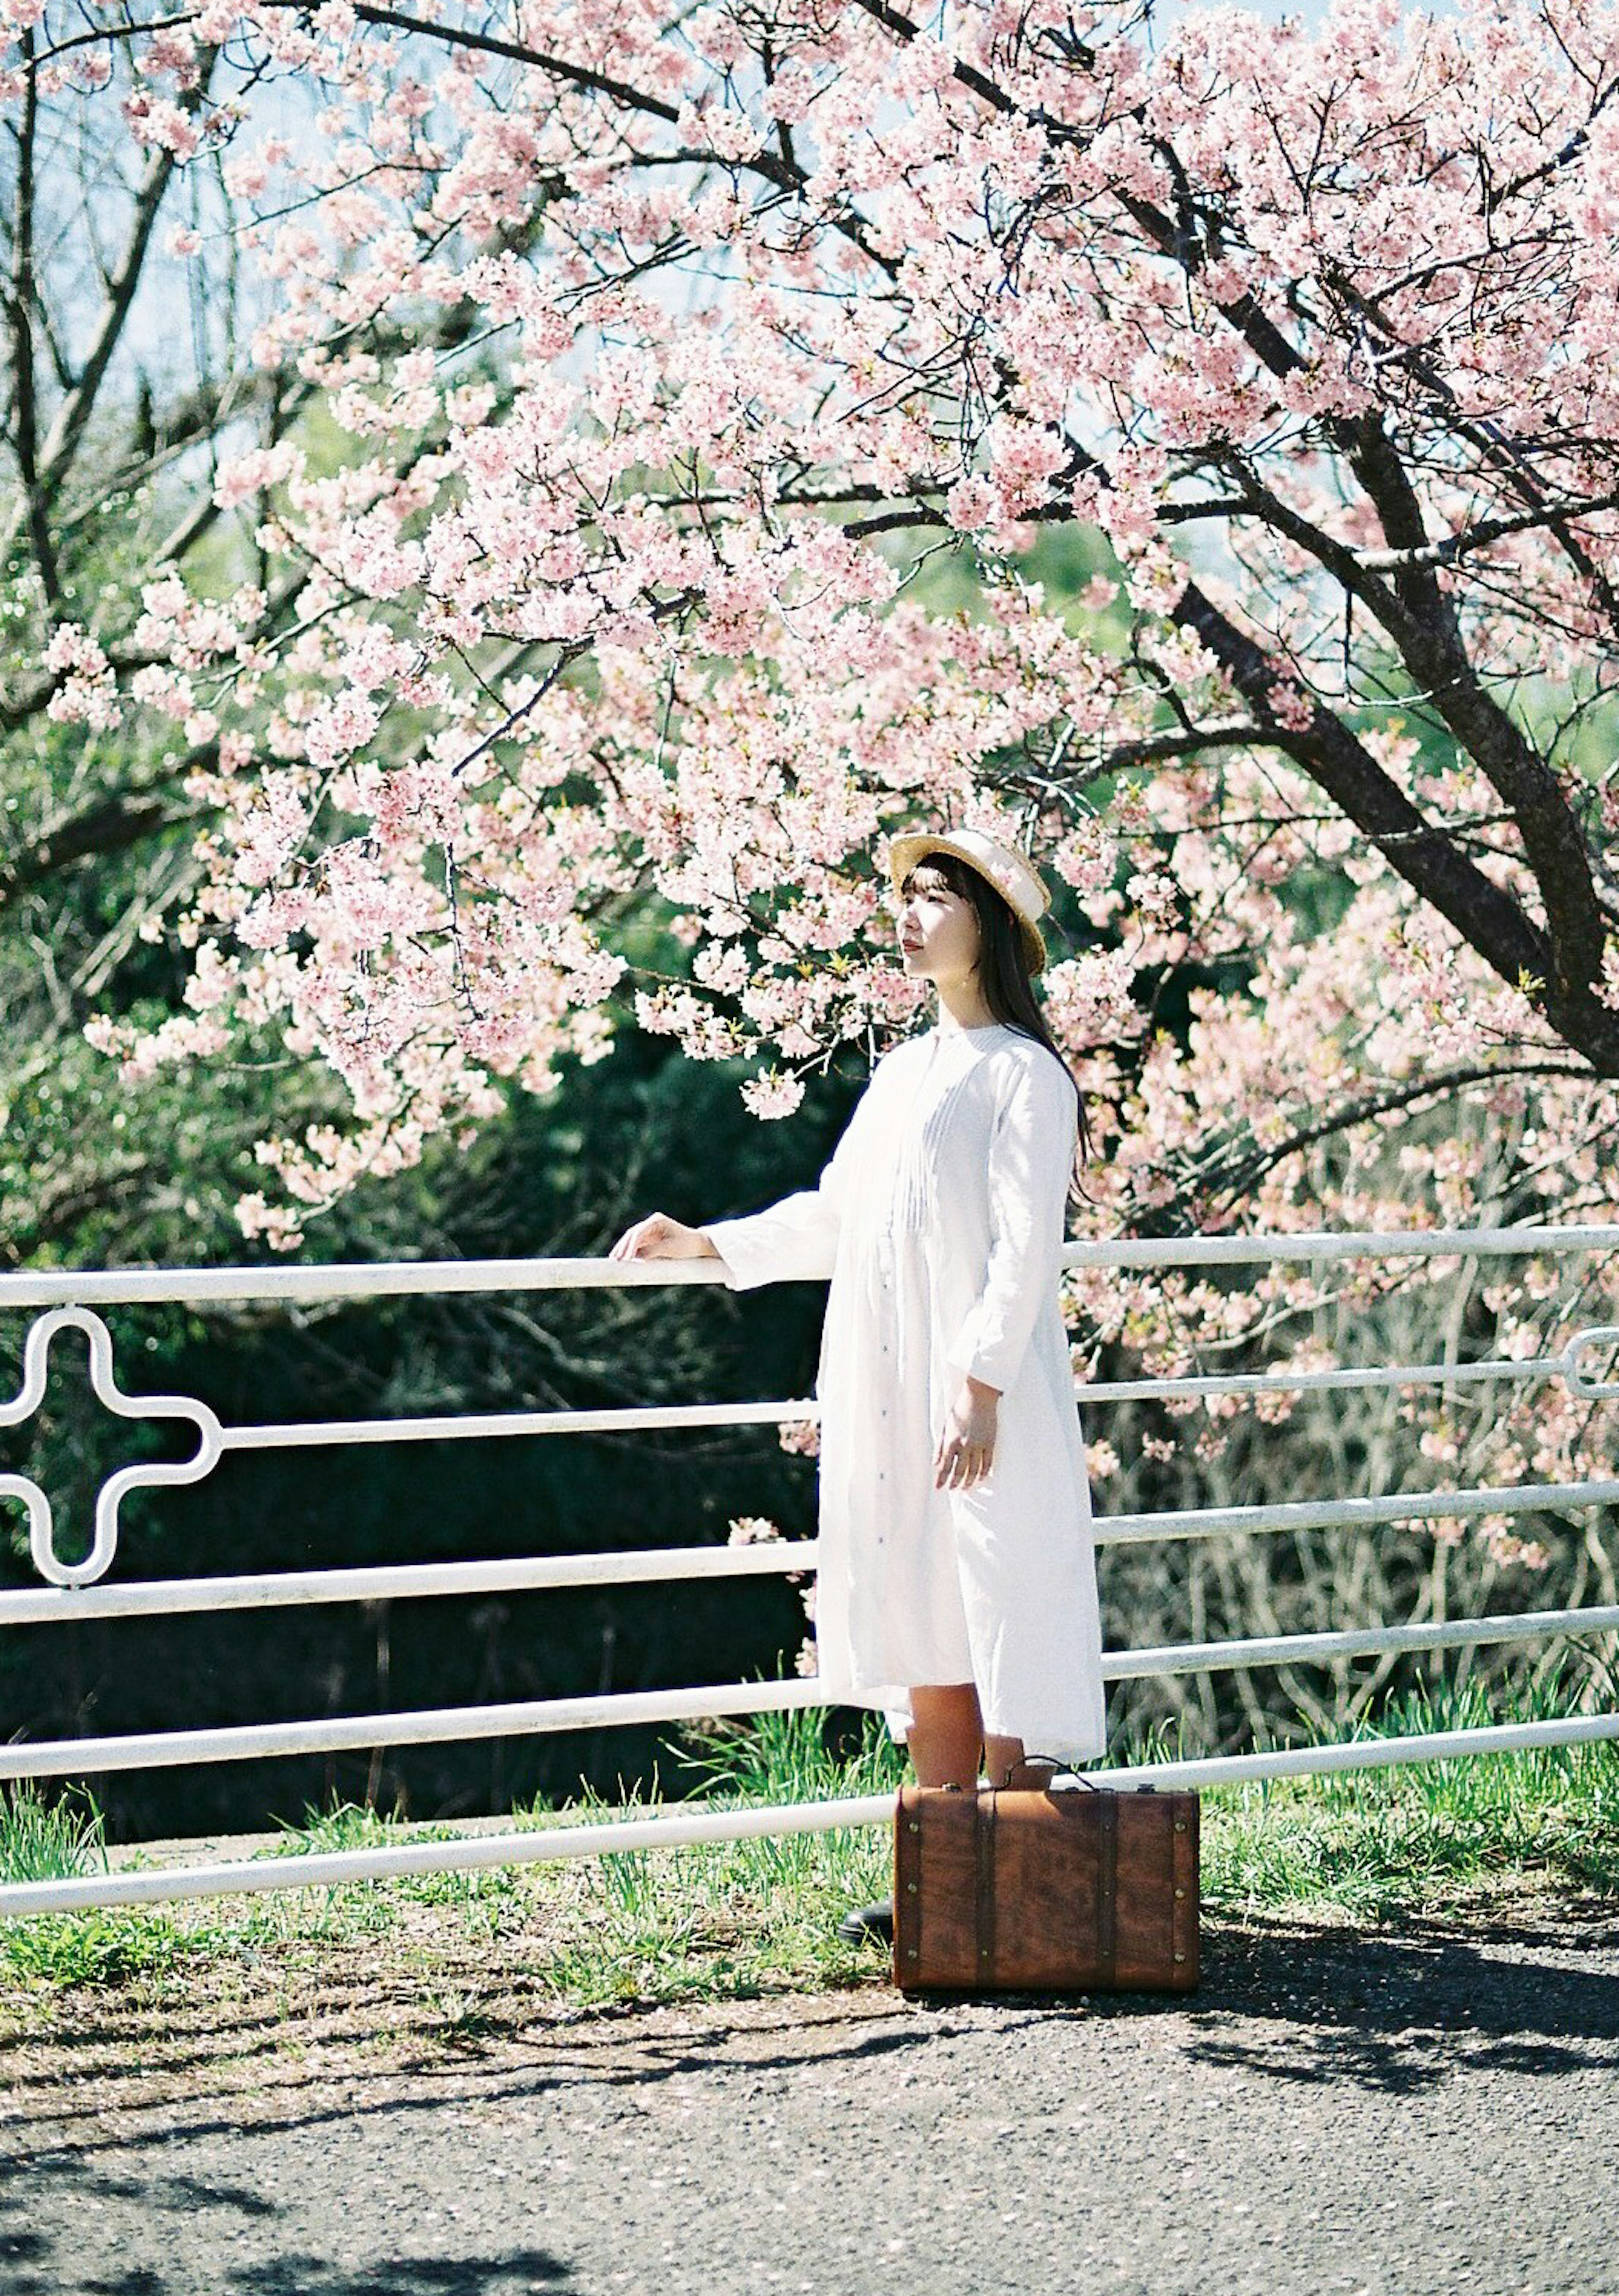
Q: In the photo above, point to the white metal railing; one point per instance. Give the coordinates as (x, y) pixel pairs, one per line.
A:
(74, 1588)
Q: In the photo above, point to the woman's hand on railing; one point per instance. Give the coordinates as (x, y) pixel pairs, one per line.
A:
(660, 1237)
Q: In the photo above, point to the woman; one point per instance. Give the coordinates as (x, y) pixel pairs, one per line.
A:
(957, 1581)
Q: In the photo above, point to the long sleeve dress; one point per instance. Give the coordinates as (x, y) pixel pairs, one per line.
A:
(938, 1221)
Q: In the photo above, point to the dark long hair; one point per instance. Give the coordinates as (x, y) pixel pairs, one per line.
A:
(1003, 969)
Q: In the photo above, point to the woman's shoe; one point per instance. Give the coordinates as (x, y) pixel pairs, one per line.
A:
(868, 1921)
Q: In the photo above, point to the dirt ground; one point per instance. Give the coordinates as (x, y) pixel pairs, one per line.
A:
(1417, 2111)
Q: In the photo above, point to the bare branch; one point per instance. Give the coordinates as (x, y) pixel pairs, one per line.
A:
(67, 429)
(1487, 918)
(1488, 531)
(1235, 1175)
(111, 825)
(596, 83)
(21, 303)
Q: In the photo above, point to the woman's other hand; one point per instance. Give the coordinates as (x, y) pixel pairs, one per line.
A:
(660, 1237)
(967, 1446)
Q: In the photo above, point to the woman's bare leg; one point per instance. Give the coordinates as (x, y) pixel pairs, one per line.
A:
(946, 1734)
(946, 1730)
(999, 1756)
(946, 1737)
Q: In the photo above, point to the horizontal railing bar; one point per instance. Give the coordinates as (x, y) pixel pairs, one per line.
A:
(349, 1280)
(471, 1853)
(39, 1606)
(622, 1419)
(1303, 1383)
(1398, 1243)
(329, 1869)
(1364, 1642)
(88, 1757)
(388, 1582)
(615, 1419)
(1336, 1514)
(59, 1758)
(1363, 1754)
(346, 1280)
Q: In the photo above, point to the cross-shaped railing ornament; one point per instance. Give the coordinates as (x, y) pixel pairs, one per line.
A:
(35, 1366)
(1597, 1390)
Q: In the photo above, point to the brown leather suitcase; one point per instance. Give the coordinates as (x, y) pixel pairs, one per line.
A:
(1026, 1889)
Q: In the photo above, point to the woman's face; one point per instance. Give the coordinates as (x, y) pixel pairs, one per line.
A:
(938, 930)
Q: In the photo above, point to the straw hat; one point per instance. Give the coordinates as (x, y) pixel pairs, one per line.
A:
(1008, 871)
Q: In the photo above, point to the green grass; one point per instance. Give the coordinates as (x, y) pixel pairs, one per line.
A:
(729, 1919)
(1417, 1835)
(42, 1841)
(734, 1917)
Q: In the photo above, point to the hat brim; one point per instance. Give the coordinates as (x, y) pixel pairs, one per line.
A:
(905, 852)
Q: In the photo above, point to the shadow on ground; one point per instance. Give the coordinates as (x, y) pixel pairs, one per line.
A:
(33, 2263)
(1392, 2010)
(1401, 2011)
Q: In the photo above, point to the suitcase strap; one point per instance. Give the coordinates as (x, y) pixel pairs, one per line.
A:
(1106, 1890)
(984, 1852)
(1106, 1885)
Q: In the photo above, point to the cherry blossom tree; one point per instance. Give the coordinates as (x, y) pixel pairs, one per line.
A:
(724, 438)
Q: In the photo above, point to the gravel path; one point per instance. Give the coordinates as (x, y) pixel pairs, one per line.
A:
(1406, 2113)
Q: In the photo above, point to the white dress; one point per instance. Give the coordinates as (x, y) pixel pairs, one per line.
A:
(938, 1221)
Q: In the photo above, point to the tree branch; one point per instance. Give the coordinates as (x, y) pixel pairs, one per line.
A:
(1190, 741)
(1234, 1178)
(1486, 534)
(1489, 920)
(125, 31)
(61, 442)
(21, 303)
(580, 75)
(110, 826)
